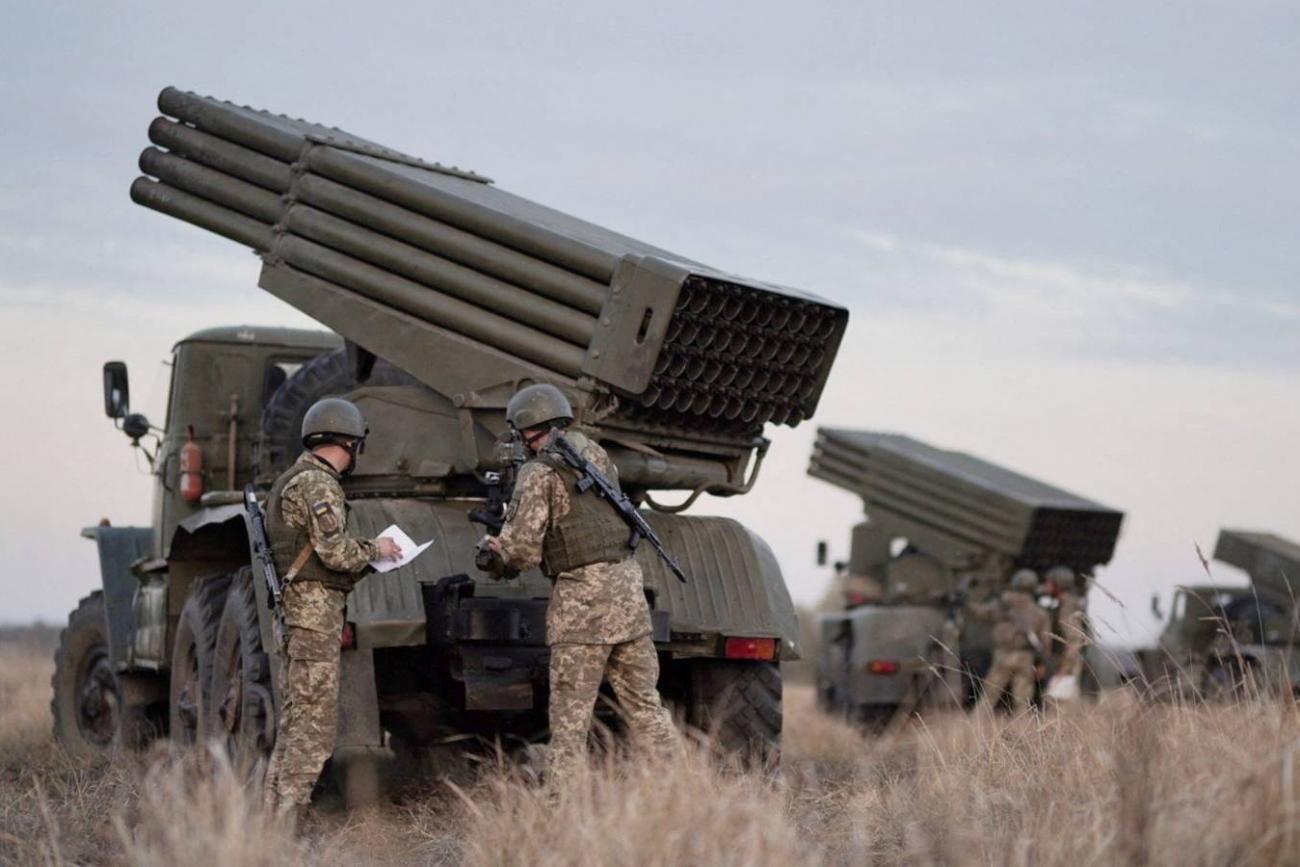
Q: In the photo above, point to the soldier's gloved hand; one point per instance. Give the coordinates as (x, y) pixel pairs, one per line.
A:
(487, 558)
(388, 549)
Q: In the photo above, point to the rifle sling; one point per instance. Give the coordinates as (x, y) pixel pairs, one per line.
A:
(298, 562)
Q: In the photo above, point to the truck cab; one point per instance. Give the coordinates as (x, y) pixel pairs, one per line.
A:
(1219, 641)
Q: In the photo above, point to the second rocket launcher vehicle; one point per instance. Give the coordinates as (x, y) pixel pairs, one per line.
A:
(898, 647)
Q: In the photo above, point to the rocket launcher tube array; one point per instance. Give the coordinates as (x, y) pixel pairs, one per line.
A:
(689, 350)
(428, 234)
(956, 502)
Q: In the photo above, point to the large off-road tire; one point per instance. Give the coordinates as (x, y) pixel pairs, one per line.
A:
(242, 711)
(87, 700)
(738, 705)
(192, 654)
(326, 375)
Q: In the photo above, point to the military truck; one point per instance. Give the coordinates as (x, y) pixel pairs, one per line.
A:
(1223, 641)
(442, 294)
(940, 526)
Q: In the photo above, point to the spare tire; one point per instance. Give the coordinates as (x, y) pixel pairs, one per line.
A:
(326, 375)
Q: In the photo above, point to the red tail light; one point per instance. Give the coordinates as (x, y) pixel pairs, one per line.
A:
(751, 648)
(883, 666)
(348, 639)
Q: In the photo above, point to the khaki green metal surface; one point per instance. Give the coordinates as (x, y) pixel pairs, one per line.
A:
(960, 508)
(1272, 562)
(431, 255)
(735, 586)
(215, 371)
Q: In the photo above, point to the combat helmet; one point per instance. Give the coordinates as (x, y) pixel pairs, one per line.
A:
(1024, 580)
(1061, 577)
(332, 420)
(537, 405)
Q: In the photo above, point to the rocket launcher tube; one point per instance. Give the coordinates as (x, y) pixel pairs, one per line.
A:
(221, 155)
(209, 184)
(456, 244)
(430, 270)
(261, 134)
(387, 181)
(202, 213)
(432, 306)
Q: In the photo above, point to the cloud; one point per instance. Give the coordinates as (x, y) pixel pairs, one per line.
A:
(1061, 310)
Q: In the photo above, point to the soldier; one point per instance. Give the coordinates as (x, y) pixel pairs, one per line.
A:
(1020, 634)
(1071, 626)
(598, 622)
(318, 562)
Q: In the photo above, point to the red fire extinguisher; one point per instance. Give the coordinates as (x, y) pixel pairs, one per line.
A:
(191, 468)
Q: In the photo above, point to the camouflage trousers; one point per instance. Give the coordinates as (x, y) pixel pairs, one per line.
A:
(1071, 660)
(1014, 669)
(576, 674)
(307, 724)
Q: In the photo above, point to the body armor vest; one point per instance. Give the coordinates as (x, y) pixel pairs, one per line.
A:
(591, 532)
(287, 541)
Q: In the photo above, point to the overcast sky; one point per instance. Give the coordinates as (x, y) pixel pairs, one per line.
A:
(1065, 231)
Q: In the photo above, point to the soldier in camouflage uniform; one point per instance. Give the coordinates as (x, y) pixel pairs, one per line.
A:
(598, 621)
(1071, 626)
(1021, 633)
(318, 562)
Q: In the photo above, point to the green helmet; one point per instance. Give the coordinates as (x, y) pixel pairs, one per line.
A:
(537, 405)
(1061, 576)
(1024, 580)
(330, 419)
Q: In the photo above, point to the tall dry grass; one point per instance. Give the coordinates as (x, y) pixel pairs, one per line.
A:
(1113, 782)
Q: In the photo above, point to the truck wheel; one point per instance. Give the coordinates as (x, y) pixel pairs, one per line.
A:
(191, 669)
(739, 705)
(242, 712)
(87, 699)
(326, 375)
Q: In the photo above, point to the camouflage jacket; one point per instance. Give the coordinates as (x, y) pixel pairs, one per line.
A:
(313, 501)
(1071, 623)
(1019, 622)
(603, 603)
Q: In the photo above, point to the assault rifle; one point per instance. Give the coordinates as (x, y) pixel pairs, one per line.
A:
(590, 478)
(492, 515)
(261, 543)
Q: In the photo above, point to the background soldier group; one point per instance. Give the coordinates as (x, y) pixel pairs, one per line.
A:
(1028, 640)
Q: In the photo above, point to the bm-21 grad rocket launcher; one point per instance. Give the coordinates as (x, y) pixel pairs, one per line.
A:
(940, 523)
(448, 294)
(1225, 641)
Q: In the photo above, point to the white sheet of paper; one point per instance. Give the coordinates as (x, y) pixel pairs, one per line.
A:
(410, 550)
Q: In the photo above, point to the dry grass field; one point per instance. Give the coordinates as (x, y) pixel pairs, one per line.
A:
(1105, 783)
